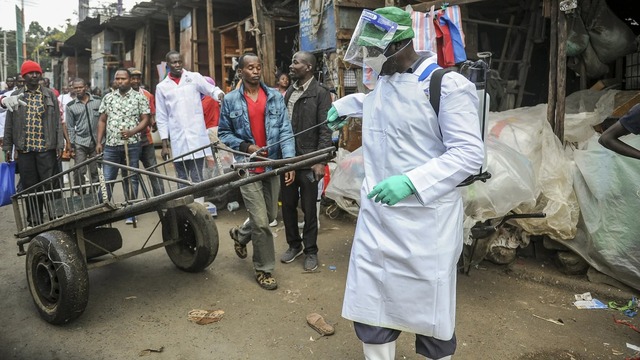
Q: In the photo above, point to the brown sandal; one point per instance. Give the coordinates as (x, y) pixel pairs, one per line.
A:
(266, 281)
(241, 250)
(317, 323)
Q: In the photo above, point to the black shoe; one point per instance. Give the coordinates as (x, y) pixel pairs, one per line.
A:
(290, 255)
(310, 262)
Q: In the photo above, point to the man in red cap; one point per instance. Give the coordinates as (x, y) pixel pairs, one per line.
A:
(33, 127)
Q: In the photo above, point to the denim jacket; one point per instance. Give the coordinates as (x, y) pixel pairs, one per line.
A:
(234, 129)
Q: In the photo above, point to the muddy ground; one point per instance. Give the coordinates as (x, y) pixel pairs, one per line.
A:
(142, 303)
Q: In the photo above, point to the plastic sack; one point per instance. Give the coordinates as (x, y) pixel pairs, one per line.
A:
(7, 182)
(606, 185)
(512, 184)
(528, 131)
(577, 38)
(609, 36)
(346, 181)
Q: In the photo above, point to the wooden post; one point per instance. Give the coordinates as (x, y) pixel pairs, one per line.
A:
(194, 41)
(553, 64)
(265, 42)
(172, 30)
(210, 50)
(562, 75)
(147, 53)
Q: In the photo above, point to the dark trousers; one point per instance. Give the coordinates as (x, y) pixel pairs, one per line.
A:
(427, 346)
(305, 189)
(82, 154)
(34, 168)
(148, 160)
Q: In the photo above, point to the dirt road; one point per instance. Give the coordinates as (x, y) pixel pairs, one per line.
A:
(142, 303)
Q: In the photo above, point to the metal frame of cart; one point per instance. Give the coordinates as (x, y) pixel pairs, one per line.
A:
(68, 225)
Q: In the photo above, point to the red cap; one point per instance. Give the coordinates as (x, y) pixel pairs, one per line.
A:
(30, 66)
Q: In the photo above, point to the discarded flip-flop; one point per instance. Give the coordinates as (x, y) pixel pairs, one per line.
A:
(317, 323)
(204, 317)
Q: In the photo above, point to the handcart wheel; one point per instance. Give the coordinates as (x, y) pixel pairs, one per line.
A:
(198, 237)
(57, 276)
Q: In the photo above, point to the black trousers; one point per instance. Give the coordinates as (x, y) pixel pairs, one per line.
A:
(304, 188)
(427, 346)
(34, 168)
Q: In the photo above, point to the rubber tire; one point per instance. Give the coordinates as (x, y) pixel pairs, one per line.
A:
(57, 277)
(198, 234)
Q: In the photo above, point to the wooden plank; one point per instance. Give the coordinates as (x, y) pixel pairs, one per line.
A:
(523, 70)
(138, 48)
(147, 53)
(553, 59)
(172, 30)
(265, 42)
(344, 34)
(369, 4)
(194, 40)
(505, 45)
(426, 5)
(210, 49)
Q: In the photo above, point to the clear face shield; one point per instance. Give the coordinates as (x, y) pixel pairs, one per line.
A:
(370, 40)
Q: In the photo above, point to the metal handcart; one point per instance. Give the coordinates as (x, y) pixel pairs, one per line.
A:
(67, 223)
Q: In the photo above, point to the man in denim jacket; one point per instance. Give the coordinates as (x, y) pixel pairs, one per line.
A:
(251, 118)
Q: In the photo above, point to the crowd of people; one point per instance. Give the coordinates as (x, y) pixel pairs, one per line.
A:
(188, 111)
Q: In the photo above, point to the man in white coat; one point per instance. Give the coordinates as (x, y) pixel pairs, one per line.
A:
(180, 118)
(402, 270)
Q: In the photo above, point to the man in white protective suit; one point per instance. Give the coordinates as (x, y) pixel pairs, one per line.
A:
(402, 270)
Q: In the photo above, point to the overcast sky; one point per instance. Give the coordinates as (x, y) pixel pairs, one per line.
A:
(49, 13)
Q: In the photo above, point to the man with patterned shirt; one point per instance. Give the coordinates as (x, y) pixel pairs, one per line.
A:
(123, 114)
(82, 124)
(33, 127)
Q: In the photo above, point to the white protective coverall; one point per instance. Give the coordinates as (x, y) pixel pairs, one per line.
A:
(402, 270)
(179, 114)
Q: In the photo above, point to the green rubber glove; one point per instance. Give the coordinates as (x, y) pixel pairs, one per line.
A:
(335, 121)
(392, 190)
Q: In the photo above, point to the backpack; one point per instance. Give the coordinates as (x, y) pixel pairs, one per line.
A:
(434, 98)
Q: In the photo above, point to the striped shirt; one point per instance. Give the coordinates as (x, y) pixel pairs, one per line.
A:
(82, 121)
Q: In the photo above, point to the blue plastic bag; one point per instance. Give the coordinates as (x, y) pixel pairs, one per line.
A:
(7, 182)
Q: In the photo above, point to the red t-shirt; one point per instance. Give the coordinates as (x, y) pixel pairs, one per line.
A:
(152, 108)
(211, 110)
(255, 110)
(175, 79)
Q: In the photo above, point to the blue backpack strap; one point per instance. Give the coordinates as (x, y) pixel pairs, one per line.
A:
(427, 71)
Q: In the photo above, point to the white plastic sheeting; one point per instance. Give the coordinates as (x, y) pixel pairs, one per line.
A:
(527, 131)
(607, 186)
(512, 184)
(346, 180)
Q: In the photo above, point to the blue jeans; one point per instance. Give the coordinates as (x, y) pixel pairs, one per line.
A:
(189, 170)
(116, 154)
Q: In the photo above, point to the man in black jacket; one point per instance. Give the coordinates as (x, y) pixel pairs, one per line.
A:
(33, 127)
(307, 103)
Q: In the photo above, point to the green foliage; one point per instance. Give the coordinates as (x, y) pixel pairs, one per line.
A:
(37, 40)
